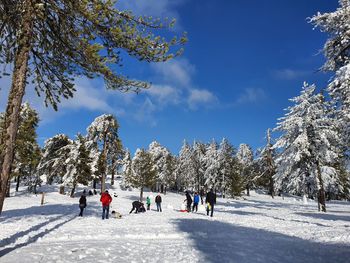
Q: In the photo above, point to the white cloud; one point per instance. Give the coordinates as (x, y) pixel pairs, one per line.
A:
(87, 97)
(145, 114)
(289, 74)
(164, 94)
(177, 71)
(200, 97)
(251, 95)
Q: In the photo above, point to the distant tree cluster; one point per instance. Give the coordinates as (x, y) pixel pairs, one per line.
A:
(84, 160)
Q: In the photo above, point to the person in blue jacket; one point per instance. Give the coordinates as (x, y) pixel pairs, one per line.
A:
(195, 202)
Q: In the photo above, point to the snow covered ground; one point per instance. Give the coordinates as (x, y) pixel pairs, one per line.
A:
(258, 229)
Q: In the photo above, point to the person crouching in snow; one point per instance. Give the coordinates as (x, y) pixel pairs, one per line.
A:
(159, 203)
(148, 202)
(106, 200)
(138, 207)
(195, 202)
(82, 204)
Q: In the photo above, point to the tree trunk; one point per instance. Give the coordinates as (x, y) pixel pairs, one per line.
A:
(112, 172)
(73, 190)
(103, 175)
(321, 191)
(272, 191)
(8, 188)
(16, 94)
(141, 194)
(17, 183)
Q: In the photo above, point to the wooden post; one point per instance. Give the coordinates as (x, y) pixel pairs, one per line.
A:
(42, 198)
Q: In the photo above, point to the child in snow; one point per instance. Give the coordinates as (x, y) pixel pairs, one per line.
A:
(195, 202)
(148, 202)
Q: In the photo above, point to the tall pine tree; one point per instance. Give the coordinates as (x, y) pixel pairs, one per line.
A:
(309, 147)
(53, 41)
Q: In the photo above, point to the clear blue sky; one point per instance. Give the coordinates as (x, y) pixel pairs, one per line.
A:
(243, 61)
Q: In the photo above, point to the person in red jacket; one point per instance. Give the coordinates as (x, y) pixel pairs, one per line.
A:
(105, 199)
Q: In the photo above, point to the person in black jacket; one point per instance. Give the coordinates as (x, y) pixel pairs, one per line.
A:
(189, 201)
(82, 204)
(138, 207)
(210, 200)
(159, 202)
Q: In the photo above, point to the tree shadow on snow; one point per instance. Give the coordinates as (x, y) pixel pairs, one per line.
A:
(44, 230)
(326, 216)
(54, 209)
(224, 242)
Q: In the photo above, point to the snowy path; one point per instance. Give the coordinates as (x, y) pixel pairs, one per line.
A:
(255, 230)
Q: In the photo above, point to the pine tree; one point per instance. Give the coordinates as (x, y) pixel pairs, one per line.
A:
(52, 42)
(27, 150)
(235, 182)
(127, 169)
(267, 166)
(185, 169)
(82, 174)
(212, 166)
(309, 146)
(245, 158)
(52, 166)
(103, 135)
(226, 154)
(161, 158)
(143, 171)
(337, 52)
(199, 151)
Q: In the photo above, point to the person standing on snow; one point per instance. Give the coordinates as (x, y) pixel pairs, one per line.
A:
(189, 201)
(159, 202)
(106, 200)
(210, 200)
(195, 202)
(82, 204)
(148, 202)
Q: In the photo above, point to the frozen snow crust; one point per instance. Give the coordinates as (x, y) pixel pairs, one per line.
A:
(258, 229)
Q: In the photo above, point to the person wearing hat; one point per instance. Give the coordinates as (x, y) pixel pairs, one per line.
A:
(106, 200)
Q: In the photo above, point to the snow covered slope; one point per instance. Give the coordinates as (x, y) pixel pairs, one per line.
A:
(259, 229)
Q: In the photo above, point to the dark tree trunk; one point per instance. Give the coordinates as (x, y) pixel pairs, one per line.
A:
(17, 182)
(248, 188)
(11, 118)
(113, 172)
(141, 194)
(321, 191)
(8, 188)
(103, 175)
(272, 191)
(73, 190)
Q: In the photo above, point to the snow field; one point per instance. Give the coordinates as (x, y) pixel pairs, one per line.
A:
(258, 229)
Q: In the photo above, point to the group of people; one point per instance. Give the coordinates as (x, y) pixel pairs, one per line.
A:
(106, 200)
(210, 200)
(138, 206)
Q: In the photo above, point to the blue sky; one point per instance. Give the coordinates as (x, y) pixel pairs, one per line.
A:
(243, 61)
